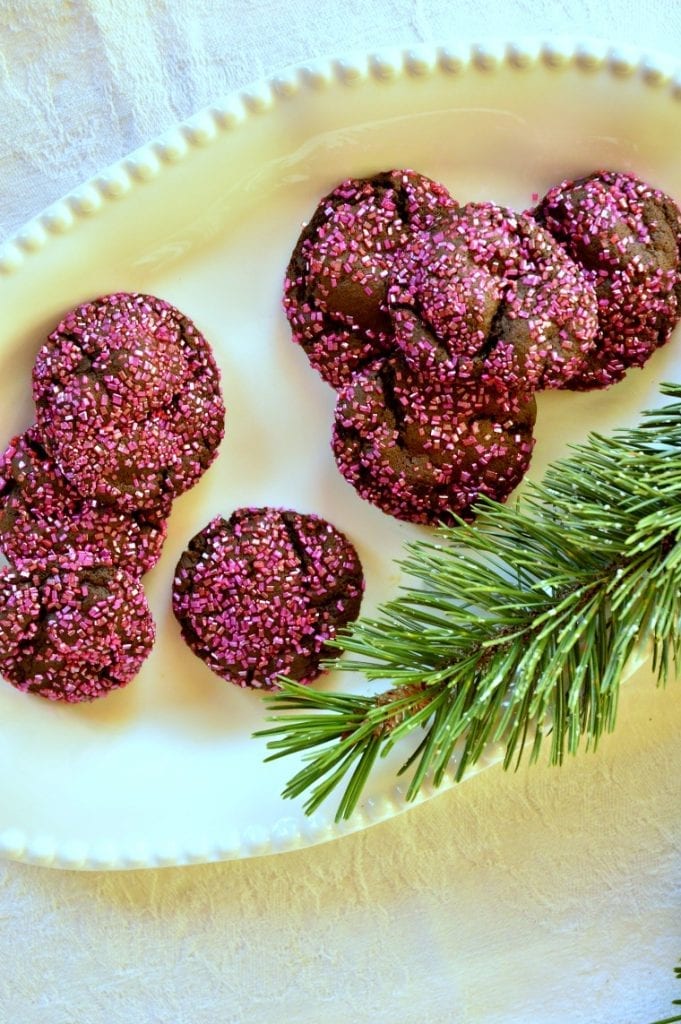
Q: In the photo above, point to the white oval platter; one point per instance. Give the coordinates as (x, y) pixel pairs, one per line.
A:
(166, 771)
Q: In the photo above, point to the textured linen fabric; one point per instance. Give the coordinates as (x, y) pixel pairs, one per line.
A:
(548, 896)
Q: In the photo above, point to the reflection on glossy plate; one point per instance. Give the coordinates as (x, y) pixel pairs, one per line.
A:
(166, 771)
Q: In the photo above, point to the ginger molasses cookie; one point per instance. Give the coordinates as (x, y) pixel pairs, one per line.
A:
(43, 518)
(128, 400)
(72, 634)
(626, 235)
(335, 288)
(262, 593)
(425, 454)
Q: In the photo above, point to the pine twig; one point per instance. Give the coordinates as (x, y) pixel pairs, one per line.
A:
(518, 627)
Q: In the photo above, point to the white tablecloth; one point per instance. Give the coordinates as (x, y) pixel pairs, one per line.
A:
(549, 895)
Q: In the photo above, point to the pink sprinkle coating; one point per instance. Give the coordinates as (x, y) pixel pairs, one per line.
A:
(626, 235)
(260, 594)
(128, 400)
(43, 518)
(489, 294)
(423, 453)
(335, 287)
(72, 634)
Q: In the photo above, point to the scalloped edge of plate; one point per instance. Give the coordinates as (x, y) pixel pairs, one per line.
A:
(138, 170)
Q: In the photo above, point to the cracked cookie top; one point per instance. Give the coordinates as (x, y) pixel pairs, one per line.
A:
(426, 453)
(128, 400)
(262, 593)
(43, 518)
(625, 234)
(336, 281)
(72, 634)
(490, 296)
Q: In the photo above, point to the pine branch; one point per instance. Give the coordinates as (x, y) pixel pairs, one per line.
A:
(518, 627)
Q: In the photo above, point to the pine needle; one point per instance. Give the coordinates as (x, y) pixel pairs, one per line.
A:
(517, 628)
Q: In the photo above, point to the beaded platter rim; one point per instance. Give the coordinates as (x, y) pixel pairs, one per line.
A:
(139, 169)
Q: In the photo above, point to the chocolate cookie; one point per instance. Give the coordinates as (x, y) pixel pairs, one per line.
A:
(72, 634)
(491, 296)
(128, 400)
(335, 288)
(426, 453)
(262, 593)
(43, 518)
(625, 234)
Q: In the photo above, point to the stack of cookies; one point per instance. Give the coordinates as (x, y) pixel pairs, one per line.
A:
(129, 414)
(438, 322)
